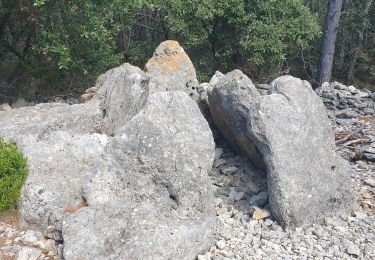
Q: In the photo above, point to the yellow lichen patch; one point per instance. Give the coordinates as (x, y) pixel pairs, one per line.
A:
(170, 64)
(170, 68)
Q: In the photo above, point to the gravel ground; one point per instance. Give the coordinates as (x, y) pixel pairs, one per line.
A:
(248, 231)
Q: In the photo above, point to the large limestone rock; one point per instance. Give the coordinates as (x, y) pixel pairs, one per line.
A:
(170, 69)
(230, 100)
(37, 121)
(159, 158)
(59, 164)
(123, 92)
(291, 128)
(62, 147)
(136, 231)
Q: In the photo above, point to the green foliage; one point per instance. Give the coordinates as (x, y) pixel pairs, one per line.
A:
(66, 44)
(238, 32)
(80, 36)
(13, 171)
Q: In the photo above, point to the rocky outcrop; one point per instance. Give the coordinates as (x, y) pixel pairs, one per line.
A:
(230, 100)
(126, 175)
(37, 121)
(291, 128)
(167, 138)
(122, 92)
(149, 179)
(133, 231)
(159, 159)
(170, 69)
(62, 146)
(59, 164)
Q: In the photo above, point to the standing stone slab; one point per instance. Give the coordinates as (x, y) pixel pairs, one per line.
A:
(123, 92)
(170, 69)
(291, 128)
(159, 158)
(230, 100)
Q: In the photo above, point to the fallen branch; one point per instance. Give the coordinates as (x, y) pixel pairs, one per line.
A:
(347, 144)
(340, 141)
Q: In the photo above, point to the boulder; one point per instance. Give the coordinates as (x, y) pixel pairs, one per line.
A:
(170, 69)
(167, 138)
(291, 128)
(59, 164)
(5, 107)
(230, 100)
(159, 158)
(62, 148)
(20, 102)
(122, 92)
(37, 121)
(133, 231)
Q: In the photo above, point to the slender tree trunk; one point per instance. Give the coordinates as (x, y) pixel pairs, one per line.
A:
(329, 41)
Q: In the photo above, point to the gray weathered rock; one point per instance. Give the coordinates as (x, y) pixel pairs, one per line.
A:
(134, 231)
(59, 164)
(216, 78)
(20, 102)
(229, 102)
(29, 253)
(167, 138)
(123, 92)
(35, 122)
(160, 158)
(292, 130)
(5, 107)
(170, 69)
(60, 143)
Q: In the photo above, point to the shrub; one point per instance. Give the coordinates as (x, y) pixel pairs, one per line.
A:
(13, 171)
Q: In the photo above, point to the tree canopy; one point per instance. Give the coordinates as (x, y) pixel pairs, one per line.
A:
(62, 45)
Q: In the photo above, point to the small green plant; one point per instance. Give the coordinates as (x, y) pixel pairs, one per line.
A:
(13, 171)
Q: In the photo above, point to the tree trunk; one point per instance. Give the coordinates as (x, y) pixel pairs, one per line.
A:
(329, 40)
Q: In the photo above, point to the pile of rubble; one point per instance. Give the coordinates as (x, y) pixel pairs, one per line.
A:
(25, 245)
(347, 102)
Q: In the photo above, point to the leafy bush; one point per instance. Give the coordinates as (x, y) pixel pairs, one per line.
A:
(13, 171)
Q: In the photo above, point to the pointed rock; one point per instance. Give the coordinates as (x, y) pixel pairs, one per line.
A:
(122, 92)
(170, 69)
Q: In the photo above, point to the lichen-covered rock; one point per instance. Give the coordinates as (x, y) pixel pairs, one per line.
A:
(229, 101)
(122, 92)
(170, 69)
(291, 128)
(59, 164)
(160, 157)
